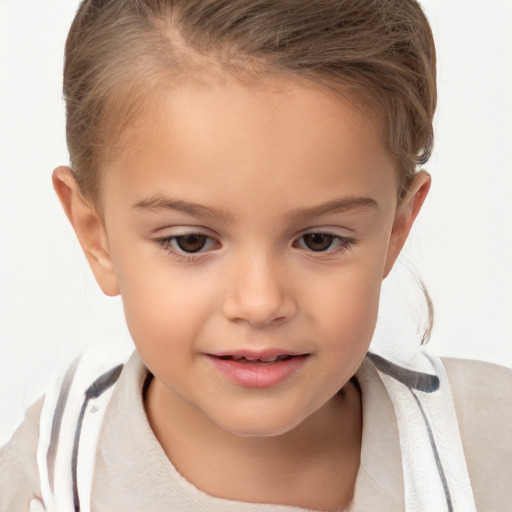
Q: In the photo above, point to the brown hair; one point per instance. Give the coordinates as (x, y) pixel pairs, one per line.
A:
(118, 51)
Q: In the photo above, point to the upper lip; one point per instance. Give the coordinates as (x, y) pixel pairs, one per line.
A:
(257, 354)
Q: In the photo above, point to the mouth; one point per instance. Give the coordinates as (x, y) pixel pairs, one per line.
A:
(265, 369)
(259, 360)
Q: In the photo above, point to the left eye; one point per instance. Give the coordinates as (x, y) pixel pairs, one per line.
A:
(321, 242)
(318, 241)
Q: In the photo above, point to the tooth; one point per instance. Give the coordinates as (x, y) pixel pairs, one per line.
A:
(260, 359)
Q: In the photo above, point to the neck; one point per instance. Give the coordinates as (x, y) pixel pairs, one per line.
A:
(313, 465)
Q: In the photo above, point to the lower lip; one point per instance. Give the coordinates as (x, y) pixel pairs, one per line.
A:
(260, 376)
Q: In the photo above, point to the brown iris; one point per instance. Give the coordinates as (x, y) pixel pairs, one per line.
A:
(191, 243)
(318, 241)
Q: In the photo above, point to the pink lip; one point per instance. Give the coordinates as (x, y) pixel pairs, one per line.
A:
(259, 375)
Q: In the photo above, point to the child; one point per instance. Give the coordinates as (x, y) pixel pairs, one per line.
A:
(245, 175)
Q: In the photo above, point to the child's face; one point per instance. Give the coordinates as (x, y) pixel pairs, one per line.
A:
(254, 221)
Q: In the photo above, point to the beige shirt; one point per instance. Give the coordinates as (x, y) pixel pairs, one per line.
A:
(133, 473)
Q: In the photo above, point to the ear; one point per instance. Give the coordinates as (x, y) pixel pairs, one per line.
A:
(406, 214)
(89, 229)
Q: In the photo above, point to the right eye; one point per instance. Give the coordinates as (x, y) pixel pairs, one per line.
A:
(187, 245)
(190, 243)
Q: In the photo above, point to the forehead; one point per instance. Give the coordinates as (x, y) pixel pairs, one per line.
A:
(275, 138)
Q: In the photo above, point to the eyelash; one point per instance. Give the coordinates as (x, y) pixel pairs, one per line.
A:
(168, 244)
(344, 244)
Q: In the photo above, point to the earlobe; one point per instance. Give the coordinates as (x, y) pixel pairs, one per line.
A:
(406, 214)
(89, 229)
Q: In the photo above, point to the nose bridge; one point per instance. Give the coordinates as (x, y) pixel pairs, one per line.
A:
(257, 291)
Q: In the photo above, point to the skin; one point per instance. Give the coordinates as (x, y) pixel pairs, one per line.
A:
(269, 161)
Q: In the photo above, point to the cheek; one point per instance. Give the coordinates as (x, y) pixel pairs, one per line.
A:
(164, 304)
(347, 306)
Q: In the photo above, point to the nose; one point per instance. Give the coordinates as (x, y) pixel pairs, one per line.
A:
(259, 293)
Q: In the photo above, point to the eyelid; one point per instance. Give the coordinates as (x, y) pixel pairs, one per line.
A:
(166, 243)
(345, 243)
(182, 230)
(324, 230)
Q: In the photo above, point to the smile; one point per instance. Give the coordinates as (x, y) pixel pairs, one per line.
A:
(265, 371)
(253, 360)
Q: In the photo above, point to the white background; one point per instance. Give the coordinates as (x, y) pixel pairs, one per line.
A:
(50, 307)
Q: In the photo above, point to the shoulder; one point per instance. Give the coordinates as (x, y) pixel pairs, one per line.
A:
(478, 376)
(85, 380)
(19, 475)
(482, 394)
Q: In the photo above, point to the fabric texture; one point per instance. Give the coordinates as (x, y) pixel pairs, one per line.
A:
(433, 462)
(137, 476)
(70, 424)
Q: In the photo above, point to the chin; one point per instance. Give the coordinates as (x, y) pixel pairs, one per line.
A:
(259, 425)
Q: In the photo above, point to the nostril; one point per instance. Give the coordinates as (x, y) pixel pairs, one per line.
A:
(258, 300)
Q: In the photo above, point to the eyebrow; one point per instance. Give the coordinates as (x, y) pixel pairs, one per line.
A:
(341, 205)
(345, 204)
(157, 203)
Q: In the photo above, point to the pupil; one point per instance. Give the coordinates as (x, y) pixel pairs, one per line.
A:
(318, 241)
(191, 243)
